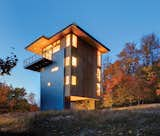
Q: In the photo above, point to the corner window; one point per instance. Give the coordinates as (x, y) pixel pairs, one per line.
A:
(98, 89)
(54, 69)
(98, 74)
(74, 61)
(98, 59)
(67, 61)
(74, 80)
(56, 46)
(68, 40)
(67, 80)
(74, 40)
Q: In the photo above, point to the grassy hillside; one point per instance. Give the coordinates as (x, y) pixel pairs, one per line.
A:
(129, 121)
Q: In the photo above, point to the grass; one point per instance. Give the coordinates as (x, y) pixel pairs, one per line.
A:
(129, 121)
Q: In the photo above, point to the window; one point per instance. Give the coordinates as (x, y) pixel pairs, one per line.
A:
(74, 80)
(56, 46)
(98, 59)
(54, 69)
(74, 41)
(67, 80)
(98, 89)
(47, 52)
(98, 74)
(49, 84)
(67, 61)
(74, 61)
(68, 40)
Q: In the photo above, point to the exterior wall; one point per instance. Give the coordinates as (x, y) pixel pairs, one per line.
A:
(83, 105)
(52, 97)
(85, 70)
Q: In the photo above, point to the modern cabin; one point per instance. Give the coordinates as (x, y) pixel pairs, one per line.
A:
(69, 63)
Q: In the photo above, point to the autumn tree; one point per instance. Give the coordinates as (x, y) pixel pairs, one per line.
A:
(129, 58)
(150, 49)
(134, 78)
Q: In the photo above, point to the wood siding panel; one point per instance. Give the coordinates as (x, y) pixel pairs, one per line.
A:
(85, 70)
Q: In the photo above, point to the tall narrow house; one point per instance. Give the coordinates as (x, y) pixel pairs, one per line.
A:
(69, 63)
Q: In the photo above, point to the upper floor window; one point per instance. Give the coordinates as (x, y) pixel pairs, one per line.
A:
(68, 40)
(49, 50)
(67, 61)
(56, 46)
(67, 80)
(74, 40)
(98, 74)
(98, 59)
(74, 80)
(74, 61)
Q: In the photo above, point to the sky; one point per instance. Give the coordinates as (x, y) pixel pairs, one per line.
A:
(112, 22)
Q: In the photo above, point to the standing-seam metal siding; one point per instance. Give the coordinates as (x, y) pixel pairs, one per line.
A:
(52, 97)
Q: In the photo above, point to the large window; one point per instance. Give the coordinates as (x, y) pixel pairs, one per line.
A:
(98, 59)
(49, 50)
(67, 61)
(56, 46)
(74, 80)
(68, 40)
(74, 61)
(98, 74)
(98, 89)
(67, 80)
(74, 40)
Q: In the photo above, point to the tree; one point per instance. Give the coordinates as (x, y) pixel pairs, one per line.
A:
(15, 99)
(7, 64)
(134, 78)
(129, 58)
(150, 49)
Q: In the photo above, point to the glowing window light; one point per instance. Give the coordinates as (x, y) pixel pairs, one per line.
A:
(49, 84)
(98, 74)
(67, 61)
(98, 89)
(74, 80)
(68, 40)
(54, 69)
(56, 48)
(74, 61)
(98, 58)
(67, 80)
(74, 41)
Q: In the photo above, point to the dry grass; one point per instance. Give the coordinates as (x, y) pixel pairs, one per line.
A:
(130, 121)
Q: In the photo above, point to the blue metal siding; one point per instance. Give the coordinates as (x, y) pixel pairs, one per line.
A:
(52, 97)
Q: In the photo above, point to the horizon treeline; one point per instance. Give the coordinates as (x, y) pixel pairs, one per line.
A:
(134, 78)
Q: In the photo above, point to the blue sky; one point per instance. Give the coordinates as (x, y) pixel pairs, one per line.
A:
(112, 22)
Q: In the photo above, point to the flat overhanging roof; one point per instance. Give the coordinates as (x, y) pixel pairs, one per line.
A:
(42, 42)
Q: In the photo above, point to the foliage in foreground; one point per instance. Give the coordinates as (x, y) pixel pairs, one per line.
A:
(129, 122)
(16, 99)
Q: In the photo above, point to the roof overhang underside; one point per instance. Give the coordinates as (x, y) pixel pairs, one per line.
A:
(42, 42)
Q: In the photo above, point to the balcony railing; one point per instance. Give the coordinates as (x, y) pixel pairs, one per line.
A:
(33, 59)
(36, 62)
